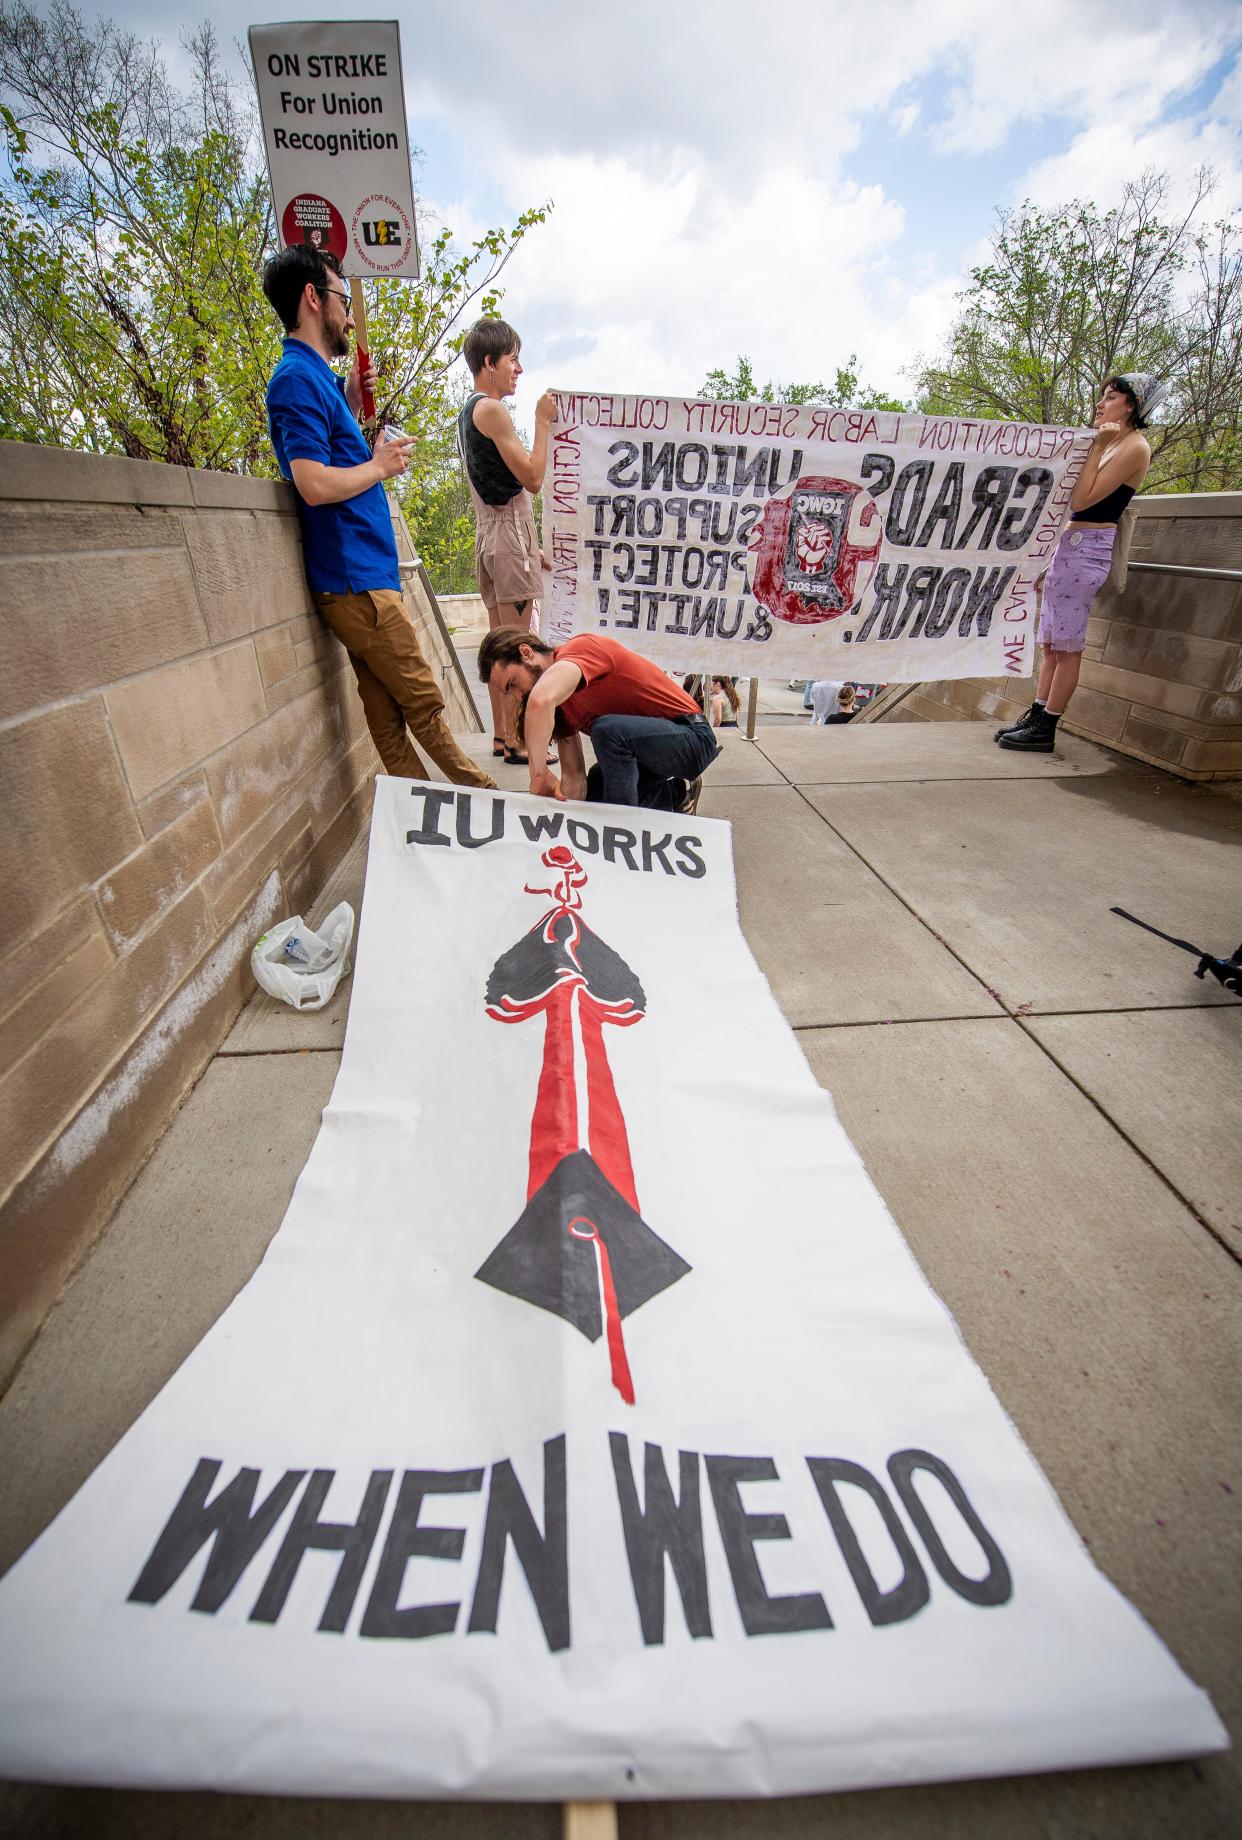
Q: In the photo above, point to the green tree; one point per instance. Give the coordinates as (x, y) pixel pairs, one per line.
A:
(132, 236)
(1205, 447)
(1072, 297)
(435, 498)
(844, 392)
(417, 331)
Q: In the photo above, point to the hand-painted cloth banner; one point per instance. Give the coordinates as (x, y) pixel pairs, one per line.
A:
(756, 539)
(588, 1430)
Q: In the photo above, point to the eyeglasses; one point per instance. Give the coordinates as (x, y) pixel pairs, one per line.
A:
(337, 294)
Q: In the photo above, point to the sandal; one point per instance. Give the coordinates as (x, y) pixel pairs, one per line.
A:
(514, 757)
(498, 746)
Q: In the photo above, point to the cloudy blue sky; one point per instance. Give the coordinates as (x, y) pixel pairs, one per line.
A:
(797, 182)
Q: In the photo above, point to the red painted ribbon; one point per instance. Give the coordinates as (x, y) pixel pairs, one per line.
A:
(612, 1314)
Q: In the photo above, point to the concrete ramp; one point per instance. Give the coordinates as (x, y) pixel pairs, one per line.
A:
(1046, 1099)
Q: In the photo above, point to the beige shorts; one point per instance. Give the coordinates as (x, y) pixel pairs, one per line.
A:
(506, 552)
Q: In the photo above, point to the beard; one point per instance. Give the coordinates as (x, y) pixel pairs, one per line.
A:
(340, 343)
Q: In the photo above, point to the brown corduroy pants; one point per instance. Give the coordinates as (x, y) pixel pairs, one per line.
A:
(396, 685)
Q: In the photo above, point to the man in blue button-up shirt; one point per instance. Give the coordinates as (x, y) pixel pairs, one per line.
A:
(347, 540)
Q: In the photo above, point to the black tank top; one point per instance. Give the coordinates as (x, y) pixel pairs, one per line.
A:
(1107, 511)
(489, 475)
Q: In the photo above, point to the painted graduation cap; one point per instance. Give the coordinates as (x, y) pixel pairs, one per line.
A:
(548, 1257)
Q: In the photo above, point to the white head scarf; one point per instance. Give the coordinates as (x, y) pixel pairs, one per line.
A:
(1148, 390)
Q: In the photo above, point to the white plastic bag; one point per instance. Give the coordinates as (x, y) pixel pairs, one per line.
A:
(303, 967)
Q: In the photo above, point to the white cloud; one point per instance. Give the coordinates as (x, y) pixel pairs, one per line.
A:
(700, 165)
(742, 86)
(1111, 61)
(1098, 162)
(647, 280)
(729, 81)
(703, 159)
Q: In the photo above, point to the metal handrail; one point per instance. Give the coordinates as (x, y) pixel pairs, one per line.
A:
(1186, 568)
(884, 701)
(407, 570)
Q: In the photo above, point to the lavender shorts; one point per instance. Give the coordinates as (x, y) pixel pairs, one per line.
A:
(1079, 570)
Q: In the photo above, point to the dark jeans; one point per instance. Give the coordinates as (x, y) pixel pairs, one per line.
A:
(647, 760)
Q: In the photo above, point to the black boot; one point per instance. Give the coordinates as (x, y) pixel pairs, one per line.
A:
(1035, 739)
(1022, 722)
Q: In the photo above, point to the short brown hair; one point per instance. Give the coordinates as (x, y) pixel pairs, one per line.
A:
(503, 645)
(285, 277)
(488, 338)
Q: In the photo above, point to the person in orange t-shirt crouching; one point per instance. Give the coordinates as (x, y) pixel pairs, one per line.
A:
(651, 741)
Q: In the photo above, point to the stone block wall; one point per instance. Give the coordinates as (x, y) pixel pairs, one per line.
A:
(464, 612)
(965, 699)
(1162, 669)
(183, 760)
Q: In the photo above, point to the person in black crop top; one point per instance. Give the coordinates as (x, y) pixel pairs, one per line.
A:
(1120, 457)
(1112, 473)
(502, 475)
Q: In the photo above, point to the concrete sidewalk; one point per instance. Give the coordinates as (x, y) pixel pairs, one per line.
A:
(1046, 1098)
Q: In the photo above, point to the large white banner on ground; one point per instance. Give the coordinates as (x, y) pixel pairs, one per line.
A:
(332, 104)
(588, 1430)
(759, 539)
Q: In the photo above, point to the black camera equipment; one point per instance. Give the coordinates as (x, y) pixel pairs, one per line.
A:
(1226, 971)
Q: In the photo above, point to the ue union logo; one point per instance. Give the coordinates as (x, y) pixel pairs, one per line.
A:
(381, 234)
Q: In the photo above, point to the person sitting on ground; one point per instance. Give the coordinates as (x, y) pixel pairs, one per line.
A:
(651, 741)
(726, 689)
(846, 709)
(824, 700)
(1113, 472)
(723, 695)
(502, 477)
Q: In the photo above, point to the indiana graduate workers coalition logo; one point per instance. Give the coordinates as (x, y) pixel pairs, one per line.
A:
(815, 550)
(315, 222)
(580, 1247)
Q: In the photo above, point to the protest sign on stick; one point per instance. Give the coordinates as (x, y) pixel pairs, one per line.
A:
(332, 104)
(756, 539)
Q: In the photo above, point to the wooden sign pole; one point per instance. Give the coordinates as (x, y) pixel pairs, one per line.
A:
(752, 708)
(590, 1821)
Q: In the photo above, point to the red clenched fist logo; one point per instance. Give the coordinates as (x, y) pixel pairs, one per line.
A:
(814, 542)
(814, 551)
